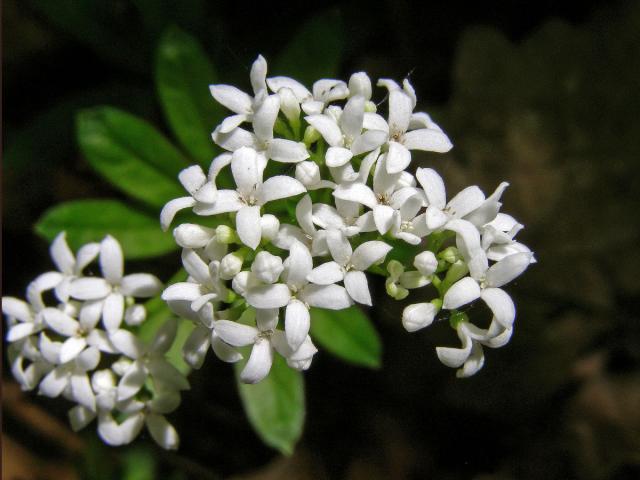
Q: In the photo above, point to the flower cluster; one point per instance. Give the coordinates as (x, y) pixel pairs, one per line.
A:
(76, 336)
(257, 265)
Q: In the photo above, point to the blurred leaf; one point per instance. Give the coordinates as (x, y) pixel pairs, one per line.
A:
(183, 76)
(348, 334)
(316, 50)
(159, 14)
(90, 220)
(108, 28)
(275, 406)
(139, 463)
(131, 154)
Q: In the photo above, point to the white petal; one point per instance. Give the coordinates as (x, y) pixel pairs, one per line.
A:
(99, 339)
(427, 140)
(398, 157)
(455, 357)
(82, 392)
(337, 156)
(369, 253)
(60, 322)
(141, 285)
(248, 226)
(259, 362)
(165, 336)
(226, 201)
(42, 283)
(89, 288)
(339, 246)
(235, 334)
(223, 351)
(192, 178)
(88, 359)
(507, 269)
(245, 170)
(465, 202)
(54, 382)
(265, 118)
(433, 186)
(90, 313)
(22, 330)
(86, 254)
(232, 122)
(172, 208)
(15, 308)
(467, 237)
(80, 417)
(196, 346)
(304, 215)
(297, 322)
(235, 139)
(326, 274)
(127, 343)
(329, 129)
(132, 381)
(360, 84)
(501, 304)
(190, 235)
(268, 296)
(462, 292)
(115, 434)
(231, 97)
(368, 141)
(62, 255)
(287, 151)
(299, 90)
(182, 291)
(383, 216)
(418, 316)
(162, 431)
(332, 297)
(50, 350)
(113, 311)
(111, 260)
(277, 187)
(353, 116)
(300, 265)
(474, 363)
(374, 121)
(357, 286)
(71, 347)
(356, 192)
(166, 376)
(400, 108)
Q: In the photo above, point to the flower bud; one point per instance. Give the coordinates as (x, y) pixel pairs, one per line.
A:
(394, 290)
(267, 267)
(190, 235)
(360, 84)
(418, 316)
(240, 282)
(426, 263)
(308, 173)
(311, 135)
(413, 279)
(135, 315)
(270, 226)
(230, 265)
(450, 255)
(226, 234)
(121, 366)
(289, 105)
(395, 269)
(370, 107)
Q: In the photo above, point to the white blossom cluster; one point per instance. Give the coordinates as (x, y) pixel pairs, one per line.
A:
(257, 265)
(76, 336)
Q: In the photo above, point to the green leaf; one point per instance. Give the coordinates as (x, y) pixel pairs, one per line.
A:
(131, 154)
(183, 76)
(138, 464)
(275, 406)
(348, 334)
(316, 50)
(90, 220)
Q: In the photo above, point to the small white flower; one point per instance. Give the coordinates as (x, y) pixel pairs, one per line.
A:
(324, 91)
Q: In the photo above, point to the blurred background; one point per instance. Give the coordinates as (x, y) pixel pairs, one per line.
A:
(542, 94)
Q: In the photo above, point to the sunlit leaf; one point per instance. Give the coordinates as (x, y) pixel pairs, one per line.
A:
(183, 76)
(90, 220)
(131, 154)
(348, 334)
(275, 406)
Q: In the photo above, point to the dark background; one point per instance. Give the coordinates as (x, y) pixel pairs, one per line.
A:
(543, 94)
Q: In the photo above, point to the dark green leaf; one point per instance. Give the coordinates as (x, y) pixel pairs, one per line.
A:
(275, 406)
(316, 50)
(348, 334)
(138, 464)
(131, 154)
(90, 220)
(183, 76)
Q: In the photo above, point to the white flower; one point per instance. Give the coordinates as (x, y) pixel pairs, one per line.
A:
(265, 338)
(424, 135)
(324, 91)
(306, 233)
(297, 294)
(112, 289)
(251, 194)
(497, 238)
(69, 265)
(349, 265)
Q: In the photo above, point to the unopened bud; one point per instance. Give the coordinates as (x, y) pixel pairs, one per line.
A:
(370, 107)
(267, 267)
(311, 135)
(360, 84)
(190, 235)
(395, 269)
(270, 226)
(413, 280)
(395, 291)
(450, 254)
(308, 173)
(418, 316)
(135, 315)
(226, 234)
(426, 263)
(289, 105)
(230, 265)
